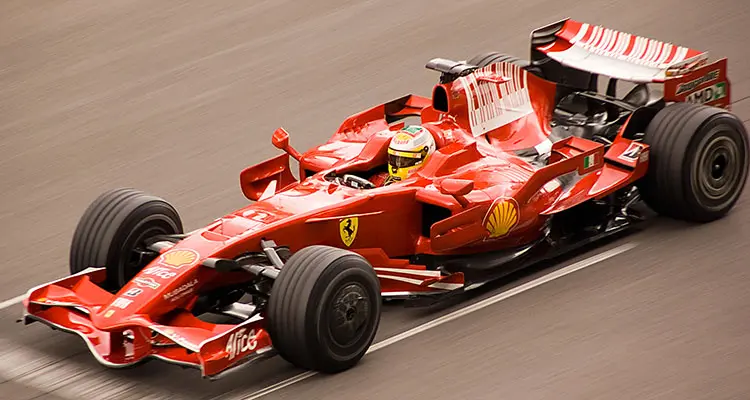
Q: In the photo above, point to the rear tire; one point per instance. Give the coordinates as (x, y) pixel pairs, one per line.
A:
(698, 162)
(112, 232)
(324, 309)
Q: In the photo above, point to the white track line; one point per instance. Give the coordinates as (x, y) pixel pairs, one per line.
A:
(70, 379)
(11, 302)
(456, 314)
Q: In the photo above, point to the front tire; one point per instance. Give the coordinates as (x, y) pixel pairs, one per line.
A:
(324, 309)
(114, 229)
(698, 162)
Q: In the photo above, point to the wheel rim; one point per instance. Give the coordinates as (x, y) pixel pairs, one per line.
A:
(349, 314)
(718, 171)
(135, 254)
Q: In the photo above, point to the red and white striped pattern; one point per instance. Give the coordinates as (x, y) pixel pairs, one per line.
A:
(491, 104)
(621, 55)
(627, 47)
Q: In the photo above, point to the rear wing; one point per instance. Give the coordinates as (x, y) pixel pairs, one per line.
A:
(616, 54)
(596, 50)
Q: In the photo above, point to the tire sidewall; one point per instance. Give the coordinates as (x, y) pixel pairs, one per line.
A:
(341, 272)
(722, 125)
(149, 215)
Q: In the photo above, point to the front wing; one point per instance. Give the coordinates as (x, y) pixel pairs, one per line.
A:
(68, 304)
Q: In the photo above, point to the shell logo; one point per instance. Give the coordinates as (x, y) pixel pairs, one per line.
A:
(179, 258)
(502, 217)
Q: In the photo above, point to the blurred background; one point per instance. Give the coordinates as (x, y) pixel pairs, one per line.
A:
(176, 99)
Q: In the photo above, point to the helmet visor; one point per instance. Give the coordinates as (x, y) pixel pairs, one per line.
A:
(403, 162)
(406, 159)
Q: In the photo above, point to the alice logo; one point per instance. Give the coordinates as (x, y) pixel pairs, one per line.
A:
(502, 217)
(240, 343)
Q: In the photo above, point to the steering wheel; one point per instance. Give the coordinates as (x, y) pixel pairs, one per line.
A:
(357, 182)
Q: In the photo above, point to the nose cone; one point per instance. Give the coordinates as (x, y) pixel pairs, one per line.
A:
(111, 317)
(160, 287)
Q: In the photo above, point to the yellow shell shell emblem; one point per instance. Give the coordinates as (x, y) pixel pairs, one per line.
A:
(503, 217)
(179, 258)
(348, 230)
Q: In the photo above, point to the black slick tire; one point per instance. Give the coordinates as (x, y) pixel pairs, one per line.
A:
(324, 309)
(112, 231)
(698, 162)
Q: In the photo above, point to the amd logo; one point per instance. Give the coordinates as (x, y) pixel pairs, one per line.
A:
(709, 94)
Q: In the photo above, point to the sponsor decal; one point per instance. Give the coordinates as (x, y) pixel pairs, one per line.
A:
(632, 153)
(690, 86)
(161, 272)
(502, 217)
(178, 258)
(109, 313)
(709, 94)
(241, 342)
(181, 291)
(348, 228)
(146, 282)
(133, 292)
(121, 303)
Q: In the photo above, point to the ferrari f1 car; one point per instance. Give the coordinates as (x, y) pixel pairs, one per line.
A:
(531, 159)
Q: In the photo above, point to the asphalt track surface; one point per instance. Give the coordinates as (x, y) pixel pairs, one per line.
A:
(176, 99)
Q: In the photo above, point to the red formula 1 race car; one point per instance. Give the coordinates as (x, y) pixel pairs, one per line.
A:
(509, 162)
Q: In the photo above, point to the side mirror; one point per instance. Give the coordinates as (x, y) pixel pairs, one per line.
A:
(280, 140)
(458, 188)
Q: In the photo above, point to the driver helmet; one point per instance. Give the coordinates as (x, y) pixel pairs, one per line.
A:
(409, 149)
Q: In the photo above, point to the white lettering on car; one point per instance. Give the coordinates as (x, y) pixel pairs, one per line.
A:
(181, 290)
(241, 342)
(690, 86)
(161, 272)
(709, 94)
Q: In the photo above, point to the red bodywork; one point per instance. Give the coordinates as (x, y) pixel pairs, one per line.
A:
(478, 122)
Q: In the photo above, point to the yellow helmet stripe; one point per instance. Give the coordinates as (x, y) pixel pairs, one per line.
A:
(405, 153)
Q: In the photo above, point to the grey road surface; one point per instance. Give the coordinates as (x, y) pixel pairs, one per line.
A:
(176, 99)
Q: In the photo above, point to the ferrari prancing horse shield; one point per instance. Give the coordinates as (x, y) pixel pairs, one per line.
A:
(348, 230)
